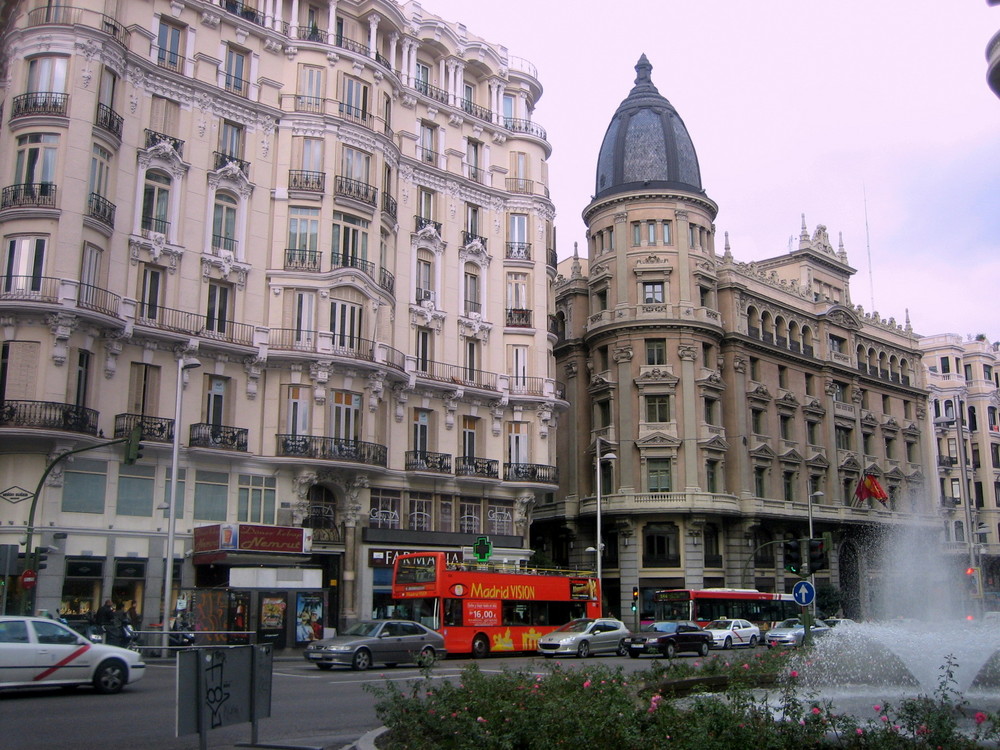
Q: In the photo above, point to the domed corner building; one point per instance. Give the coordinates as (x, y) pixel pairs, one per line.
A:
(728, 395)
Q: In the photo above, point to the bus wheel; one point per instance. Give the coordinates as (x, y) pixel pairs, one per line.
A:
(480, 647)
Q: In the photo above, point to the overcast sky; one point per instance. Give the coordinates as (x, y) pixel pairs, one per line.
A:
(795, 106)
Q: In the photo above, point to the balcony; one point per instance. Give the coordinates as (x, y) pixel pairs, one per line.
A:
(528, 127)
(352, 261)
(518, 251)
(457, 374)
(221, 160)
(168, 59)
(476, 110)
(314, 34)
(154, 429)
(194, 324)
(47, 103)
(355, 189)
(101, 209)
(218, 436)
(29, 195)
(433, 92)
(292, 339)
(357, 115)
(349, 44)
(947, 461)
(331, 449)
(526, 187)
(518, 318)
(477, 174)
(314, 182)
(153, 138)
(473, 308)
(353, 347)
(237, 85)
(311, 104)
(302, 260)
(151, 225)
(63, 15)
(526, 386)
(48, 415)
(387, 281)
(468, 238)
(427, 461)
(553, 259)
(29, 288)
(427, 155)
(243, 10)
(109, 120)
(223, 243)
(473, 466)
(389, 205)
(99, 300)
(421, 222)
(531, 473)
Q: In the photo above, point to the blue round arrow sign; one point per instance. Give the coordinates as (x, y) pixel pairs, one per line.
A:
(803, 593)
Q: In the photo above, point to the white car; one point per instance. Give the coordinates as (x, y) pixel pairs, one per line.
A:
(733, 632)
(39, 652)
(585, 636)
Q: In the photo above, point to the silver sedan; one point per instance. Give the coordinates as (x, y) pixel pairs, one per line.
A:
(586, 636)
(388, 642)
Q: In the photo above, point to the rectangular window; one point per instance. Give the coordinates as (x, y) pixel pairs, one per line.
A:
(211, 496)
(303, 229)
(135, 490)
(81, 385)
(424, 354)
(345, 415)
(472, 301)
(650, 232)
(426, 147)
(788, 485)
(149, 295)
(760, 481)
(425, 204)
(310, 89)
(517, 291)
(499, 517)
(419, 517)
(384, 512)
(256, 499)
(35, 162)
(421, 430)
(24, 264)
(470, 426)
(652, 292)
(517, 442)
(237, 71)
(785, 427)
(656, 351)
(658, 408)
(350, 240)
(345, 324)
(143, 389)
(168, 46)
(164, 115)
(636, 233)
(757, 422)
(470, 517)
(711, 407)
(231, 139)
(658, 477)
(844, 438)
(667, 234)
(812, 433)
(217, 314)
(47, 75)
(84, 486)
(215, 403)
(712, 479)
(298, 403)
(356, 164)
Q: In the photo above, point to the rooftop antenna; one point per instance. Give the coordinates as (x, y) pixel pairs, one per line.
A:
(868, 248)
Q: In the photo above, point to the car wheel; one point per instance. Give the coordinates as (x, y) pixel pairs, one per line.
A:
(670, 650)
(583, 650)
(480, 647)
(703, 649)
(622, 648)
(362, 660)
(325, 667)
(427, 655)
(753, 641)
(634, 653)
(110, 677)
(728, 644)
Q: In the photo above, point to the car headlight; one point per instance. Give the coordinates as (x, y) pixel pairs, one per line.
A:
(565, 641)
(337, 648)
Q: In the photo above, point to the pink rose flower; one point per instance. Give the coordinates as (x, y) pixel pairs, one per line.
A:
(586, 684)
(980, 717)
(876, 708)
(815, 710)
(793, 673)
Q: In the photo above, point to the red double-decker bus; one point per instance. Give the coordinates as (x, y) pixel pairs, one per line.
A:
(480, 608)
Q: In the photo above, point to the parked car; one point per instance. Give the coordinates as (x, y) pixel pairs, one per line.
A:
(729, 633)
(791, 632)
(584, 637)
(40, 652)
(835, 621)
(368, 642)
(668, 637)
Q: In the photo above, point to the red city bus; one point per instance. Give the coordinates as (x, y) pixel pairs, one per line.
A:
(704, 605)
(480, 608)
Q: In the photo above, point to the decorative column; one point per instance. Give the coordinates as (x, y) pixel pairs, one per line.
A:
(688, 352)
(293, 29)
(393, 41)
(331, 22)
(373, 20)
(684, 250)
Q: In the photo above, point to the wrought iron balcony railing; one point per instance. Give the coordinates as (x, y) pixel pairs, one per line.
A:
(473, 308)
(387, 281)
(154, 429)
(48, 415)
(432, 91)
(221, 242)
(518, 318)
(356, 189)
(110, 120)
(523, 385)
(331, 449)
(29, 288)
(168, 59)
(29, 194)
(302, 260)
(525, 126)
(427, 461)
(222, 159)
(39, 103)
(447, 373)
(388, 204)
(299, 179)
(150, 224)
(531, 473)
(152, 138)
(312, 104)
(218, 436)
(518, 251)
(468, 238)
(355, 114)
(421, 222)
(101, 209)
(473, 466)
(483, 113)
(244, 11)
(64, 15)
(99, 300)
(194, 324)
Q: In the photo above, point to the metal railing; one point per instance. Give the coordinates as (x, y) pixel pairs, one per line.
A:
(469, 237)
(29, 288)
(473, 466)
(477, 175)
(427, 155)
(299, 179)
(302, 260)
(168, 59)
(221, 242)
(526, 386)
(473, 308)
(154, 429)
(63, 15)
(292, 339)
(152, 224)
(39, 103)
(528, 127)
(101, 209)
(483, 113)
(448, 373)
(153, 138)
(194, 324)
(204, 435)
(356, 189)
(244, 11)
(432, 91)
(48, 415)
(110, 120)
(518, 318)
(427, 461)
(518, 251)
(222, 159)
(331, 449)
(388, 204)
(353, 347)
(531, 473)
(339, 260)
(37, 194)
(420, 222)
(99, 300)
(387, 281)
(311, 104)
(355, 114)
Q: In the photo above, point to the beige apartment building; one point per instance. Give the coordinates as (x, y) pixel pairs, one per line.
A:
(741, 402)
(320, 232)
(963, 376)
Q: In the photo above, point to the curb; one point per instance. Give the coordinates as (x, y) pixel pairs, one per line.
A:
(367, 740)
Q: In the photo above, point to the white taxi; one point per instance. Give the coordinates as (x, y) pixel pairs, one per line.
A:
(733, 632)
(39, 652)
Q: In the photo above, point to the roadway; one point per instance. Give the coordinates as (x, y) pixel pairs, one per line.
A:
(309, 707)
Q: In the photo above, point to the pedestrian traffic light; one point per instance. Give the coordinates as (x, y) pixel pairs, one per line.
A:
(818, 559)
(793, 555)
(133, 445)
(635, 598)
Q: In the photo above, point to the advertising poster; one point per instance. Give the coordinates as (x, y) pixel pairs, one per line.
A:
(239, 620)
(272, 618)
(481, 613)
(308, 618)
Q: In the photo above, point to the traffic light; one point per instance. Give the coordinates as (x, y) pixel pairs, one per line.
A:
(133, 445)
(635, 598)
(41, 555)
(973, 582)
(793, 556)
(818, 559)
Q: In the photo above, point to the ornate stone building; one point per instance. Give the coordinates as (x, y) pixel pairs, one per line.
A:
(340, 210)
(739, 400)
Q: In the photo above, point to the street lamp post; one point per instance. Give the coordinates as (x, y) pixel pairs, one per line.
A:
(599, 547)
(963, 485)
(814, 497)
(183, 363)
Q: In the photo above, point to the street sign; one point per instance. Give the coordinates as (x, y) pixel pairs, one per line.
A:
(28, 579)
(803, 593)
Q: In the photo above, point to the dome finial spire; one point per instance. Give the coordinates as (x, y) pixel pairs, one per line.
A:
(643, 70)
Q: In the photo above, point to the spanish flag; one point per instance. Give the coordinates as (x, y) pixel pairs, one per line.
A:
(869, 487)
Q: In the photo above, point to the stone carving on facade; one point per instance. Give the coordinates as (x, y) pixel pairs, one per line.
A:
(496, 412)
(352, 500)
(473, 326)
(376, 386)
(425, 315)
(254, 367)
(320, 374)
(524, 503)
(687, 352)
(739, 364)
(112, 348)
(225, 263)
(450, 402)
(571, 369)
(62, 326)
(544, 421)
(209, 19)
(401, 394)
(302, 482)
(622, 354)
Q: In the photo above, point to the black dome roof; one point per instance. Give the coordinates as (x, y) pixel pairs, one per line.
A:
(646, 145)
